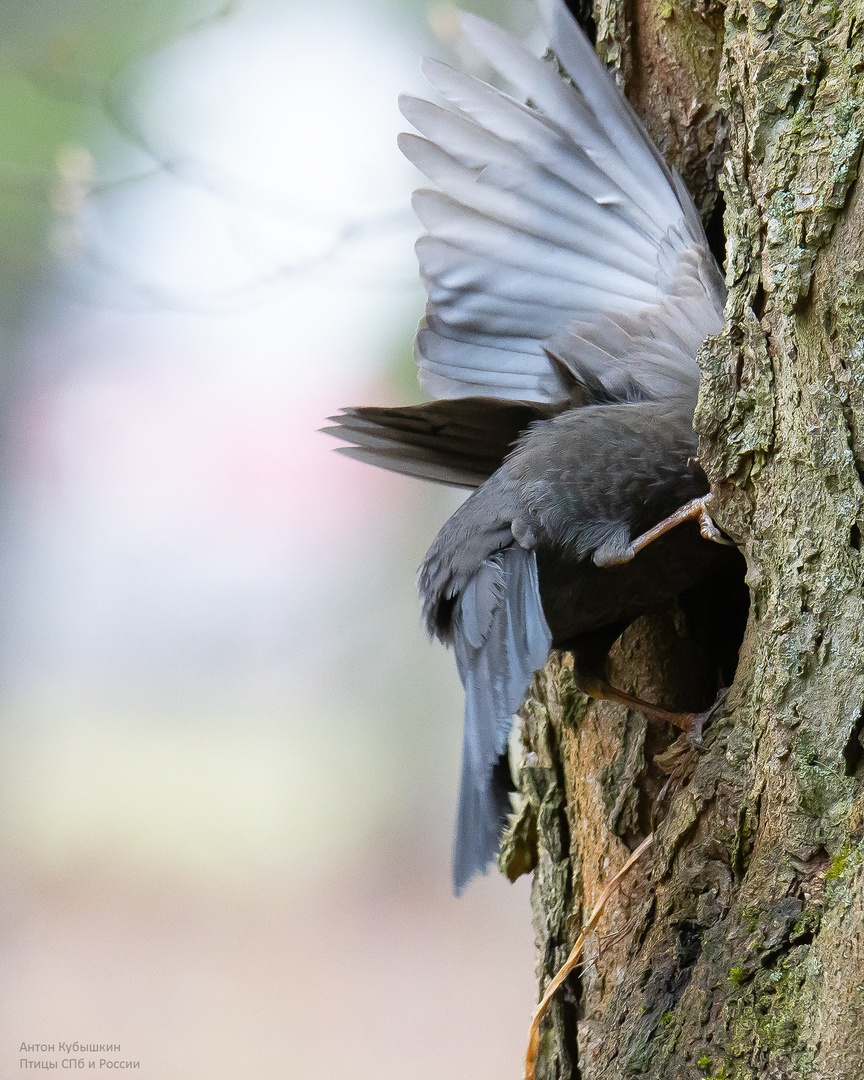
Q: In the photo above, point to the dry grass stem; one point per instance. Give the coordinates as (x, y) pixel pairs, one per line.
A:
(575, 953)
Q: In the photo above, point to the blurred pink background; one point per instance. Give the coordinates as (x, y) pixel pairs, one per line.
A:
(229, 753)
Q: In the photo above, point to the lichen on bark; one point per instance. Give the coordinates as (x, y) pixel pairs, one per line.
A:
(737, 950)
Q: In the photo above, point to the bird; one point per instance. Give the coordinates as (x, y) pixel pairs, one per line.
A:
(570, 286)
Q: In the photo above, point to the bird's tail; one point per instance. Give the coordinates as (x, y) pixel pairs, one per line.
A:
(459, 441)
(500, 638)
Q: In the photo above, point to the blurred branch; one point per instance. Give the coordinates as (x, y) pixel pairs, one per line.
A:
(151, 296)
(108, 97)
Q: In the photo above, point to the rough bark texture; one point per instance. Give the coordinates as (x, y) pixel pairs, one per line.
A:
(736, 949)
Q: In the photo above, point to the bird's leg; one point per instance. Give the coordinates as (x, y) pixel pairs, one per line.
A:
(599, 688)
(692, 724)
(696, 508)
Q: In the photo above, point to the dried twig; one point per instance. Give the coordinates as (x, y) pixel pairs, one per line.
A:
(575, 954)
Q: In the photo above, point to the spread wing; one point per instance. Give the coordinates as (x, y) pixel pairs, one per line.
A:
(556, 228)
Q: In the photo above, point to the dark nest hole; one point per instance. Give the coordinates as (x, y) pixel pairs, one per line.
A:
(583, 12)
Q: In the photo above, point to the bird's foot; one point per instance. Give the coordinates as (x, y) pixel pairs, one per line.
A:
(678, 763)
(679, 760)
(695, 509)
(699, 721)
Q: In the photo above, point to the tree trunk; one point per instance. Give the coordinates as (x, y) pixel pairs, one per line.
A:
(735, 948)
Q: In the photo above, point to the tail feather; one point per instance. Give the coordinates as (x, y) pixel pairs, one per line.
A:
(459, 441)
(500, 638)
(482, 815)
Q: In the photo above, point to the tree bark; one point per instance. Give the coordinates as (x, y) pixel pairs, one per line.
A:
(735, 949)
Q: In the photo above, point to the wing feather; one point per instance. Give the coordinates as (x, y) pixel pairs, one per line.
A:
(558, 238)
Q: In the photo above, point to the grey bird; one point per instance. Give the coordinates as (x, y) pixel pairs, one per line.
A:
(570, 285)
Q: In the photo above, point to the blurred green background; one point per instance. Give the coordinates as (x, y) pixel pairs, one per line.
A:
(229, 755)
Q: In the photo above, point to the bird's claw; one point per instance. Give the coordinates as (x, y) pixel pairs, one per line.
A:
(679, 760)
(708, 527)
(695, 509)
